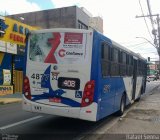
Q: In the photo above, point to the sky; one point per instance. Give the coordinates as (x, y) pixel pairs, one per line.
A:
(118, 16)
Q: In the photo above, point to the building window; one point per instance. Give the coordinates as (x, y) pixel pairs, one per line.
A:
(82, 25)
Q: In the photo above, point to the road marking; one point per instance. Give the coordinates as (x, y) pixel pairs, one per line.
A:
(20, 122)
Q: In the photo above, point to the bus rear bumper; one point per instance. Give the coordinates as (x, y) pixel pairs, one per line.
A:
(86, 113)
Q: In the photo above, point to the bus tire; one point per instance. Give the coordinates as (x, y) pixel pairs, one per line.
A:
(122, 105)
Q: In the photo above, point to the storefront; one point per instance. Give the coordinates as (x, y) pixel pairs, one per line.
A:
(12, 48)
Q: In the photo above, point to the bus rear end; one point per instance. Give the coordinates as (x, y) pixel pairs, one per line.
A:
(58, 74)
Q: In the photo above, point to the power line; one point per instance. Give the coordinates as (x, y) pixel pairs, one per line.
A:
(145, 20)
(137, 44)
(150, 52)
(150, 14)
(152, 23)
(144, 47)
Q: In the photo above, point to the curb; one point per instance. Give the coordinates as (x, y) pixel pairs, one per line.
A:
(9, 100)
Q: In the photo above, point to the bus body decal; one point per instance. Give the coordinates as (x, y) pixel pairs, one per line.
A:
(64, 100)
(46, 84)
(55, 43)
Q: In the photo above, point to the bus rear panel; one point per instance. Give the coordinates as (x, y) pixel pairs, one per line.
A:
(58, 74)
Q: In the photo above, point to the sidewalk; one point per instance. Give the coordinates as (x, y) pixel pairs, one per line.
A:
(143, 118)
(12, 98)
(140, 123)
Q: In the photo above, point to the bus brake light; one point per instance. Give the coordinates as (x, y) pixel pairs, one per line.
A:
(88, 93)
(26, 88)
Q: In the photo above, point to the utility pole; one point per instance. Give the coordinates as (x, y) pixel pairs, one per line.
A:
(158, 20)
(156, 45)
(152, 22)
(154, 31)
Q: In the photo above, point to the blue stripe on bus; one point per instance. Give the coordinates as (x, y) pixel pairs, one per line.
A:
(25, 57)
(64, 100)
(53, 93)
(47, 84)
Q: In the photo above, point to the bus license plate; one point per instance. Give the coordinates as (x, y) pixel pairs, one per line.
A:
(56, 100)
(69, 83)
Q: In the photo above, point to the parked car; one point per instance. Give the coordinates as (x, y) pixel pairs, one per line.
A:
(151, 78)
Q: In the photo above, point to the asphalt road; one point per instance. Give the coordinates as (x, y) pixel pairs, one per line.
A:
(14, 122)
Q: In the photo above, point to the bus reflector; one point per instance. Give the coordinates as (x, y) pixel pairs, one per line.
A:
(88, 111)
(88, 93)
(56, 100)
(26, 88)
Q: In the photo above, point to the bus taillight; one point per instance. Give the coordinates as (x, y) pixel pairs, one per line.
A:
(88, 93)
(26, 88)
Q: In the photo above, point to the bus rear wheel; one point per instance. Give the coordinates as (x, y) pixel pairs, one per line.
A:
(122, 106)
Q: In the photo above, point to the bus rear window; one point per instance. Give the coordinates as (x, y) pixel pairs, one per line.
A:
(63, 48)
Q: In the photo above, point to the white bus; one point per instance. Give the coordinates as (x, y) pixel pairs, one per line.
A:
(80, 74)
